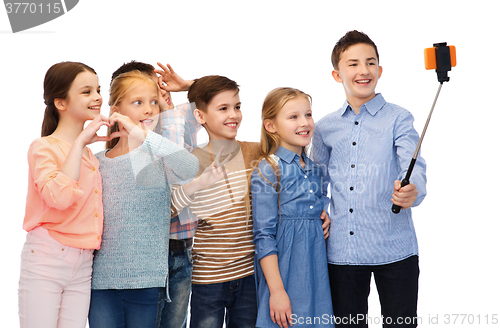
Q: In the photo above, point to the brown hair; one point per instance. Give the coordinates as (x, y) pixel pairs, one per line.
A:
(56, 84)
(122, 84)
(349, 39)
(133, 66)
(204, 89)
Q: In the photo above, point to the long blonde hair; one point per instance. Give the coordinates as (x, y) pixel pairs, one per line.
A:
(122, 84)
(269, 142)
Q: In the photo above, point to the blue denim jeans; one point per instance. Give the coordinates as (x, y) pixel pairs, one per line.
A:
(234, 302)
(180, 267)
(130, 308)
(397, 286)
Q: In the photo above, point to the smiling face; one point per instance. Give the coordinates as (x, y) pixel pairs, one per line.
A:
(141, 105)
(222, 116)
(84, 97)
(359, 71)
(293, 124)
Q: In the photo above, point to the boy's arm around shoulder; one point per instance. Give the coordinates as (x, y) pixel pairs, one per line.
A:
(182, 165)
(183, 196)
(405, 142)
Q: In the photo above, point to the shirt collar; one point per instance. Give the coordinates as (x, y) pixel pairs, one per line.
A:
(289, 156)
(372, 106)
(285, 154)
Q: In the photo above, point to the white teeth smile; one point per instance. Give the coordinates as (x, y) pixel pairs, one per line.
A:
(95, 107)
(231, 125)
(147, 121)
(363, 81)
(302, 133)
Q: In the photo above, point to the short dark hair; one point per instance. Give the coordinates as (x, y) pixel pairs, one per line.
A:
(349, 39)
(133, 66)
(204, 89)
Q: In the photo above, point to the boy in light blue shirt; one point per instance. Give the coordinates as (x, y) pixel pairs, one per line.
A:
(365, 149)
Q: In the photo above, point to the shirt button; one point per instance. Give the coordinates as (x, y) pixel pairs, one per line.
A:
(96, 191)
(353, 166)
(311, 207)
(354, 143)
(351, 189)
(351, 233)
(351, 210)
(305, 176)
(356, 123)
(93, 169)
(96, 215)
(311, 191)
(98, 238)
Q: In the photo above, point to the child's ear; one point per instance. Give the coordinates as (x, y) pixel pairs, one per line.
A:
(199, 116)
(379, 71)
(269, 126)
(336, 76)
(60, 103)
(113, 109)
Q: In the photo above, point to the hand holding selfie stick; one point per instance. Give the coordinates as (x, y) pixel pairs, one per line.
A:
(441, 58)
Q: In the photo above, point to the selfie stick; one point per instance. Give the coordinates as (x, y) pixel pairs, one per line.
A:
(441, 58)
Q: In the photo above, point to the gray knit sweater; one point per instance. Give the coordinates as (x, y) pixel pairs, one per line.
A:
(136, 201)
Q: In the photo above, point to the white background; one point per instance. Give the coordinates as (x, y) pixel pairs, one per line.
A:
(268, 44)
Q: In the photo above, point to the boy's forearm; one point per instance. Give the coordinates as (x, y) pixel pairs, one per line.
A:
(420, 182)
(192, 187)
(418, 178)
(406, 142)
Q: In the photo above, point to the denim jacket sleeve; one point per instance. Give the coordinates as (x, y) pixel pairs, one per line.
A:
(264, 210)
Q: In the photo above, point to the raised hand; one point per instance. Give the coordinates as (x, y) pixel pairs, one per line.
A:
(89, 134)
(215, 171)
(210, 175)
(129, 129)
(72, 164)
(169, 80)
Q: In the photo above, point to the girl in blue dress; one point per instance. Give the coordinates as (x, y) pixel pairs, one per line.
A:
(288, 201)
